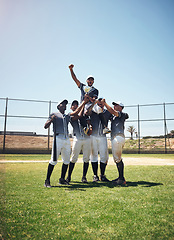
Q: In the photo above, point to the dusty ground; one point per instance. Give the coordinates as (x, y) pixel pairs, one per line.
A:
(42, 142)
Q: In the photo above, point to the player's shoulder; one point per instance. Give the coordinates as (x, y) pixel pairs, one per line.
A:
(126, 116)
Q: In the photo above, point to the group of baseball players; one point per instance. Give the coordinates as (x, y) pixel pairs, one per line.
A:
(89, 121)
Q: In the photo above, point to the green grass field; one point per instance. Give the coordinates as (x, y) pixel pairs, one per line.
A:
(141, 210)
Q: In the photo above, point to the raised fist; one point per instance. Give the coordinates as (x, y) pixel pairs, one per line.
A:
(71, 66)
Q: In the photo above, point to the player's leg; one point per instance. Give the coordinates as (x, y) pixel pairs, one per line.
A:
(86, 157)
(52, 163)
(65, 153)
(76, 148)
(103, 151)
(117, 147)
(94, 157)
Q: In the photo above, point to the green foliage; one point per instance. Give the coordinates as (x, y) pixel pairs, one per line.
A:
(142, 210)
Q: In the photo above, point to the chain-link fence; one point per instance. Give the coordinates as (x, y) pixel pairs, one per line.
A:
(148, 129)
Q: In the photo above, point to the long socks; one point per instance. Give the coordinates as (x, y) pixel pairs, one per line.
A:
(95, 167)
(64, 169)
(49, 171)
(120, 167)
(102, 168)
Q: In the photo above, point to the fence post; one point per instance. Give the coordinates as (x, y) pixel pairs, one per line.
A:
(49, 128)
(138, 129)
(5, 125)
(165, 128)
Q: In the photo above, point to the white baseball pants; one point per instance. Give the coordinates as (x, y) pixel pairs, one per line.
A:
(117, 147)
(63, 146)
(78, 145)
(99, 146)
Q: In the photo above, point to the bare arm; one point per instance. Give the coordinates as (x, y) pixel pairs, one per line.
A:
(110, 109)
(73, 75)
(86, 99)
(48, 122)
(89, 110)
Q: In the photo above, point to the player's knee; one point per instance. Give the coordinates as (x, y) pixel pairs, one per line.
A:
(53, 162)
(73, 160)
(66, 162)
(117, 159)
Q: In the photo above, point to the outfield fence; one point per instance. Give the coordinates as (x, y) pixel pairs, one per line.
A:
(152, 124)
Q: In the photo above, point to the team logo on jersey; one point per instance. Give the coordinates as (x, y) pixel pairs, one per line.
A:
(87, 89)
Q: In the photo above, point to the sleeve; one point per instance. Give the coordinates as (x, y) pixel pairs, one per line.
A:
(81, 86)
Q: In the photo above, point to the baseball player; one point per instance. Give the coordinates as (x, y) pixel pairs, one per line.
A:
(98, 140)
(61, 143)
(81, 141)
(117, 137)
(91, 91)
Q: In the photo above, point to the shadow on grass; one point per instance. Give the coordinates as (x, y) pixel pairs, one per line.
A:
(143, 184)
(81, 186)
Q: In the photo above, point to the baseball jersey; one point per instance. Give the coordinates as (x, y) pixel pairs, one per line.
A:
(78, 129)
(60, 124)
(88, 90)
(97, 128)
(117, 124)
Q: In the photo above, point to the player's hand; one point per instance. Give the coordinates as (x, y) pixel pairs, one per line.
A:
(103, 100)
(71, 66)
(86, 98)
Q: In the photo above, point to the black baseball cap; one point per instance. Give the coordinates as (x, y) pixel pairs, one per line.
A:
(64, 101)
(75, 102)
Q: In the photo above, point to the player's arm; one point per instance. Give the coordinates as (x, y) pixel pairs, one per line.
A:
(89, 110)
(73, 75)
(110, 109)
(49, 121)
(86, 99)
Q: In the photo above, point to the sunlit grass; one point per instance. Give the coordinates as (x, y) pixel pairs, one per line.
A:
(142, 210)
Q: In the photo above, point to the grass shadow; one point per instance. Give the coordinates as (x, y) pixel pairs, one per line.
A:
(74, 185)
(143, 184)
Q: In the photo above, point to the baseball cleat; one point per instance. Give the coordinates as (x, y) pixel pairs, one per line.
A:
(47, 184)
(106, 130)
(119, 181)
(96, 178)
(68, 179)
(84, 180)
(103, 178)
(63, 181)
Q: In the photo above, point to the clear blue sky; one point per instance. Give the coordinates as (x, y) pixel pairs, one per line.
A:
(127, 45)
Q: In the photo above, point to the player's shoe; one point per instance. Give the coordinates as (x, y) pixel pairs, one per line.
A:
(119, 181)
(47, 183)
(84, 180)
(68, 179)
(96, 178)
(63, 181)
(103, 178)
(106, 130)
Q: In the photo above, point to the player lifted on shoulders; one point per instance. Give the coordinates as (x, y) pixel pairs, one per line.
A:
(90, 90)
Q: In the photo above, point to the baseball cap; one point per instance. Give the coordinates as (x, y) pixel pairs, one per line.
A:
(118, 103)
(75, 102)
(90, 76)
(64, 101)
